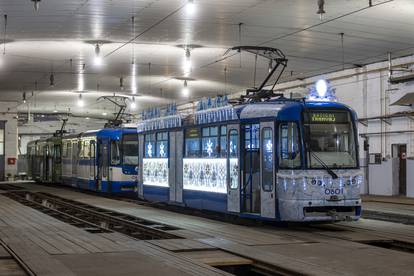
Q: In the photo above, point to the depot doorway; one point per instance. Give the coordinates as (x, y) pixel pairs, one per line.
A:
(400, 151)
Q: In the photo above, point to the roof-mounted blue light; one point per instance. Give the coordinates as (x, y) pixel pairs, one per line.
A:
(321, 87)
(322, 91)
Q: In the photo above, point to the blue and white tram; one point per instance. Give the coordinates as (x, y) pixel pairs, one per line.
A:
(281, 160)
(103, 160)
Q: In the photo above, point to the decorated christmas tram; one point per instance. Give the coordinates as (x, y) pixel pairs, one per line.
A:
(281, 159)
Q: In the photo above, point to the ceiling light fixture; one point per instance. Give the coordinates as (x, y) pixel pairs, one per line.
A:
(121, 83)
(133, 66)
(321, 10)
(24, 97)
(97, 49)
(4, 34)
(190, 7)
(104, 113)
(36, 4)
(55, 110)
(52, 80)
(187, 62)
(133, 104)
(98, 58)
(185, 91)
(134, 79)
(80, 100)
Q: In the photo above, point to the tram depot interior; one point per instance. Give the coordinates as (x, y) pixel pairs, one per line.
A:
(198, 137)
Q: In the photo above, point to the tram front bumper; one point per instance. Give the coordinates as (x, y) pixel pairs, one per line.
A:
(319, 210)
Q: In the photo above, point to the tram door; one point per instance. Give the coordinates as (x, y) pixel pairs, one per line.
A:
(103, 162)
(92, 163)
(75, 154)
(267, 173)
(250, 189)
(233, 168)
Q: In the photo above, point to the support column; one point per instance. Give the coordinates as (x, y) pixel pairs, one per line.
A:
(8, 162)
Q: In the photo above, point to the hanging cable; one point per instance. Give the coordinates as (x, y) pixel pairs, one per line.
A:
(5, 33)
(255, 71)
(133, 35)
(240, 41)
(225, 79)
(343, 50)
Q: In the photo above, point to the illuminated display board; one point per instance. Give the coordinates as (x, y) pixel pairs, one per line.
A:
(205, 174)
(323, 117)
(192, 132)
(155, 171)
(327, 117)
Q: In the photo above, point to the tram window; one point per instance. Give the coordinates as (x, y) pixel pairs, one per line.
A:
(1, 141)
(289, 153)
(211, 147)
(162, 144)
(64, 150)
(86, 149)
(115, 156)
(192, 142)
(252, 136)
(80, 149)
(57, 153)
(267, 159)
(69, 152)
(223, 141)
(233, 145)
(130, 149)
(149, 145)
(92, 149)
(234, 161)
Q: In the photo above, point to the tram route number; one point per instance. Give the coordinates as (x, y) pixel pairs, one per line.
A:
(334, 191)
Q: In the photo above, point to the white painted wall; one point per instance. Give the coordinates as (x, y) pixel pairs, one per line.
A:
(410, 177)
(384, 178)
(10, 138)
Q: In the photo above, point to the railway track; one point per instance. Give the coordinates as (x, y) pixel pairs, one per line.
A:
(11, 264)
(93, 219)
(99, 220)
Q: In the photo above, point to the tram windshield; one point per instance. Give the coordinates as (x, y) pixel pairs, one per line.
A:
(130, 149)
(330, 139)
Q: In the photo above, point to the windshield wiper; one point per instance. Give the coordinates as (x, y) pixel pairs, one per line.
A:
(331, 172)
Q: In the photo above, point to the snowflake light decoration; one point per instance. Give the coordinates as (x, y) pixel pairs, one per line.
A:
(209, 147)
(162, 151)
(269, 146)
(149, 150)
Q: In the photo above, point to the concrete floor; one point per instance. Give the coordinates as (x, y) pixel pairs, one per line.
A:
(327, 249)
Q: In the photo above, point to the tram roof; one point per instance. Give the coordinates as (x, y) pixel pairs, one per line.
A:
(286, 109)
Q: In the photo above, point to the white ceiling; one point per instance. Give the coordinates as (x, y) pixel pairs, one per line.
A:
(55, 39)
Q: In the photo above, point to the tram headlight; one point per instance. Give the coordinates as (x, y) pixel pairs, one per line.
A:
(358, 180)
(355, 180)
(314, 181)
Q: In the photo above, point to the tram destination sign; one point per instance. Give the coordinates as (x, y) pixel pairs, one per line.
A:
(327, 117)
